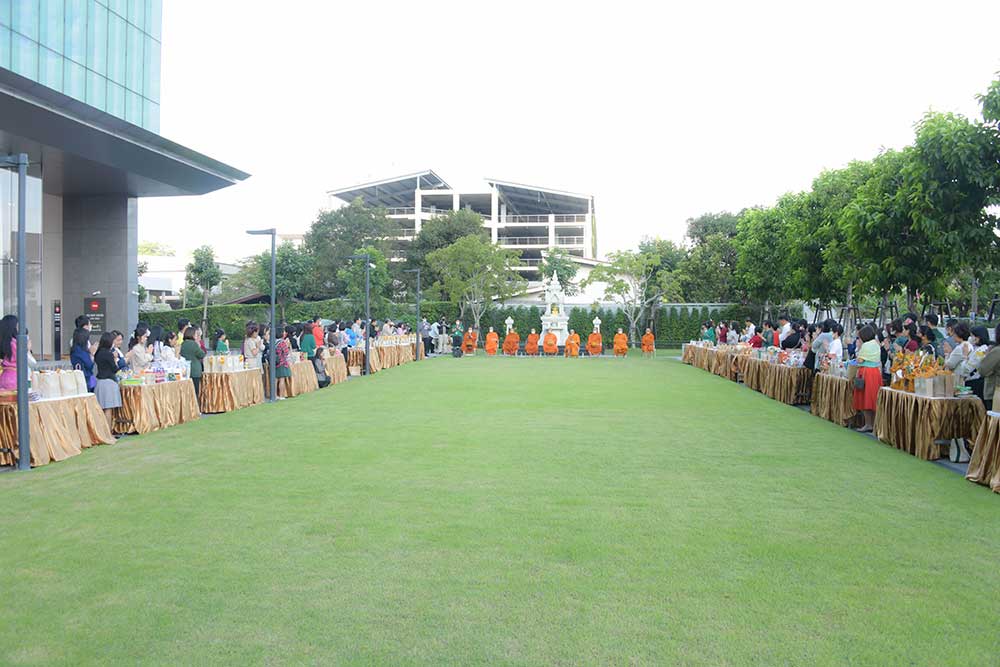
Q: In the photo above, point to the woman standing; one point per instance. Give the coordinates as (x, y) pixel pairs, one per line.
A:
(140, 353)
(80, 359)
(282, 367)
(253, 346)
(958, 360)
(106, 389)
(191, 350)
(8, 353)
(869, 378)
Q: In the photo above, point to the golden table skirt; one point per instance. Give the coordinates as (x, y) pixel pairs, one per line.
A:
(912, 423)
(788, 384)
(700, 357)
(753, 373)
(833, 398)
(303, 379)
(687, 353)
(226, 392)
(59, 429)
(336, 368)
(148, 408)
(984, 467)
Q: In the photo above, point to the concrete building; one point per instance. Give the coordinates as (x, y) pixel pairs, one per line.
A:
(520, 217)
(80, 94)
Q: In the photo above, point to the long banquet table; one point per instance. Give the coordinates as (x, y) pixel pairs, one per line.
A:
(336, 368)
(833, 399)
(913, 423)
(59, 429)
(150, 407)
(984, 466)
(232, 390)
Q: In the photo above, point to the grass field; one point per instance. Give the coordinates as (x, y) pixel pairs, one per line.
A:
(502, 511)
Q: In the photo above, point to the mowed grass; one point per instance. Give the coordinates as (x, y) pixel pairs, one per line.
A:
(502, 511)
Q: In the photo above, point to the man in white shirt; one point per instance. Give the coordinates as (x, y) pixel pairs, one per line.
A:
(784, 327)
(751, 329)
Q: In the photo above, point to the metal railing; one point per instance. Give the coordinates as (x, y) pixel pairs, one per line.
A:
(527, 219)
(569, 240)
(530, 261)
(523, 240)
(577, 217)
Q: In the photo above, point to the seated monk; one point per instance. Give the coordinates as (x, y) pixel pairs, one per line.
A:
(492, 342)
(531, 344)
(550, 345)
(469, 342)
(511, 343)
(621, 344)
(572, 344)
(595, 344)
(648, 343)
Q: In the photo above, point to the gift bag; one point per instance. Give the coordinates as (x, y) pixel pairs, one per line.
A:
(81, 383)
(48, 385)
(923, 386)
(67, 383)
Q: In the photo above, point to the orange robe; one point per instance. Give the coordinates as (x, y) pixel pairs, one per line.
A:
(621, 345)
(550, 345)
(469, 342)
(573, 345)
(510, 343)
(594, 344)
(531, 345)
(492, 342)
(648, 342)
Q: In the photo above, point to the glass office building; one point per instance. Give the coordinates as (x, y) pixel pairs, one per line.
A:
(80, 95)
(105, 53)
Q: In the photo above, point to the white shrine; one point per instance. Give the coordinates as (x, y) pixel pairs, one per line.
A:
(556, 318)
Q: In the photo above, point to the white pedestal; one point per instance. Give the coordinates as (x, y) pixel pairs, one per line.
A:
(557, 324)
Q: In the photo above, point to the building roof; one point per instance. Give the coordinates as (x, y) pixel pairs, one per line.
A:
(86, 151)
(532, 200)
(390, 192)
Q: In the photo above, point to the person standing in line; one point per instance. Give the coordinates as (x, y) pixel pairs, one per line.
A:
(140, 352)
(444, 341)
(106, 389)
(308, 343)
(283, 368)
(80, 357)
(435, 333)
(191, 350)
(253, 347)
(869, 377)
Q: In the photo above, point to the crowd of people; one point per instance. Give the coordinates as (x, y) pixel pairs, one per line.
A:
(963, 348)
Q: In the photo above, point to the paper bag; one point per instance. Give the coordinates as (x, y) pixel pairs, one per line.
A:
(67, 383)
(81, 383)
(923, 386)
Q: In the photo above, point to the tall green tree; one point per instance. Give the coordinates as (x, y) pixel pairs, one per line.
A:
(707, 273)
(203, 272)
(706, 225)
(352, 275)
(292, 267)
(762, 266)
(629, 282)
(474, 273)
(441, 232)
(155, 249)
(335, 235)
(558, 262)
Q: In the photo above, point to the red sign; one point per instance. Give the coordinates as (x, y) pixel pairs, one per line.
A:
(95, 311)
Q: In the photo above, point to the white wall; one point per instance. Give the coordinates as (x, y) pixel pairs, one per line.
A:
(52, 275)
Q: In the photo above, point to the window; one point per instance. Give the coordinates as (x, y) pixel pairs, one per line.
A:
(51, 69)
(133, 59)
(25, 18)
(151, 116)
(4, 46)
(137, 13)
(119, 7)
(51, 25)
(154, 18)
(24, 57)
(76, 30)
(133, 108)
(97, 90)
(116, 49)
(116, 100)
(97, 38)
(5, 12)
(74, 80)
(152, 89)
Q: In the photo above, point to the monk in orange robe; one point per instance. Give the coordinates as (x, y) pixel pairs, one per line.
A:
(572, 344)
(511, 343)
(595, 344)
(469, 341)
(648, 343)
(531, 344)
(621, 344)
(550, 344)
(492, 342)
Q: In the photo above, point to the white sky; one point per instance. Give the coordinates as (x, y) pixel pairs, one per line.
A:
(661, 112)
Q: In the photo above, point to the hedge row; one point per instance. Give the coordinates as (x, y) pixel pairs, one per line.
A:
(672, 326)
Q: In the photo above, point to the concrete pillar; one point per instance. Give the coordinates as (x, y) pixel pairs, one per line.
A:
(552, 230)
(455, 201)
(494, 212)
(100, 253)
(417, 209)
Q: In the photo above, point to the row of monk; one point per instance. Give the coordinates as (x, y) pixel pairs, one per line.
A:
(549, 347)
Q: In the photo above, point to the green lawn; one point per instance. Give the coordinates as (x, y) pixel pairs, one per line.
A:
(502, 511)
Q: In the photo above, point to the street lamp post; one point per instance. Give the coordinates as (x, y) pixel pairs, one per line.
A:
(272, 380)
(368, 313)
(20, 161)
(420, 340)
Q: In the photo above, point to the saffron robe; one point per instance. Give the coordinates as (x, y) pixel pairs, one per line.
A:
(531, 345)
(648, 343)
(511, 342)
(621, 345)
(550, 345)
(594, 344)
(492, 343)
(573, 345)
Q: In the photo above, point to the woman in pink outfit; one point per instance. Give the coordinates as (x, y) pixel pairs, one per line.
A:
(8, 353)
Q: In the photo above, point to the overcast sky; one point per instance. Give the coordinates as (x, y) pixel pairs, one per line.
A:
(662, 112)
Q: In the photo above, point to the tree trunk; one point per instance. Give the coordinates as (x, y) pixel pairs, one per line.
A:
(184, 298)
(909, 299)
(849, 324)
(204, 314)
(975, 298)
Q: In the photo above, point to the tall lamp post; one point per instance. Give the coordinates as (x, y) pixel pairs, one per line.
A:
(420, 340)
(20, 162)
(368, 313)
(272, 379)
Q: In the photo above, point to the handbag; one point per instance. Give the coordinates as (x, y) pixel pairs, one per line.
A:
(859, 383)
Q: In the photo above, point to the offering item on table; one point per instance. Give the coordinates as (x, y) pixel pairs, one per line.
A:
(922, 374)
(58, 383)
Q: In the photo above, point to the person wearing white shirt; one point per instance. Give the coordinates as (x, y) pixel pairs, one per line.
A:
(785, 328)
(751, 329)
(836, 350)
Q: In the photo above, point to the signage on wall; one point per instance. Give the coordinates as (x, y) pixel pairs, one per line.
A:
(57, 329)
(94, 308)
